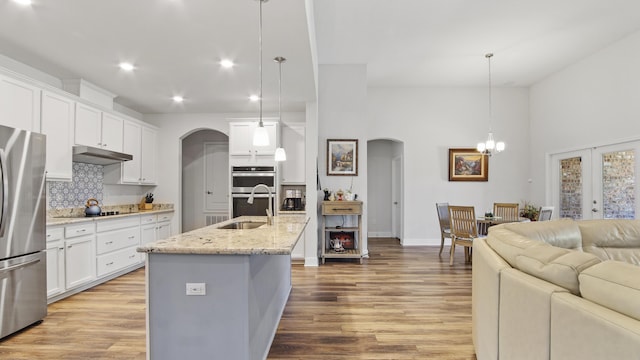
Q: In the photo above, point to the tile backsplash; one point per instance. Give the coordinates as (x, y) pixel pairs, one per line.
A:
(86, 184)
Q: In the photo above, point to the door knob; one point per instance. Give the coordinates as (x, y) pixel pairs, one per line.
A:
(594, 210)
(395, 203)
(209, 192)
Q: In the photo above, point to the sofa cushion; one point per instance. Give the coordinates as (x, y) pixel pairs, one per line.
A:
(561, 233)
(508, 244)
(556, 265)
(612, 239)
(614, 285)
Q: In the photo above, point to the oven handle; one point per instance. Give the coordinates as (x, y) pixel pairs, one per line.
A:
(246, 196)
(253, 174)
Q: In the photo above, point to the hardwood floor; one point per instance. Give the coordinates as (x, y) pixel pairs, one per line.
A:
(401, 303)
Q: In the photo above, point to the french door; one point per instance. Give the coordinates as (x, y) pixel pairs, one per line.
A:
(596, 183)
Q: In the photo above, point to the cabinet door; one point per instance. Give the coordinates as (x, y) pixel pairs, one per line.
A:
(112, 132)
(148, 234)
(293, 170)
(87, 126)
(163, 230)
(148, 156)
(55, 268)
(19, 104)
(241, 138)
(79, 261)
(132, 135)
(57, 124)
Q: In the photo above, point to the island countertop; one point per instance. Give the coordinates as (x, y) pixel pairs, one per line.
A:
(276, 239)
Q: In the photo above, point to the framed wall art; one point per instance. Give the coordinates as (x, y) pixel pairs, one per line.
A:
(468, 165)
(342, 157)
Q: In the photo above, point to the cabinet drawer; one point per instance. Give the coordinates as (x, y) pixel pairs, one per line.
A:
(342, 208)
(71, 231)
(147, 219)
(55, 234)
(164, 217)
(114, 224)
(117, 239)
(117, 260)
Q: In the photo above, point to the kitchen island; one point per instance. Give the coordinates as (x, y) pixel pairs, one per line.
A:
(218, 292)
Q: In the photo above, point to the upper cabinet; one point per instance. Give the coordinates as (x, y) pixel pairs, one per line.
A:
(139, 141)
(57, 124)
(19, 104)
(241, 139)
(97, 129)
(293, 170)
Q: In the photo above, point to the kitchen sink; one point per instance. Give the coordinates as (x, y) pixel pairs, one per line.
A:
(243, 225)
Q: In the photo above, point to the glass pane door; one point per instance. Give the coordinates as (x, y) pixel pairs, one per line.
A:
(597, 183)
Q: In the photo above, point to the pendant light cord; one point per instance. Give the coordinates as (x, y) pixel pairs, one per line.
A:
(260, 62)
(489, 56)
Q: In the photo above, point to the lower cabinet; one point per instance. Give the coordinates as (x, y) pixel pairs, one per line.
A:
(84, 254)
(79, 261)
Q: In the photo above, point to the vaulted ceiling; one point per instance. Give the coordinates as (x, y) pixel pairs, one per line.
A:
(176, 45)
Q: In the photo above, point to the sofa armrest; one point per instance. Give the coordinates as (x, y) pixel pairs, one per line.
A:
(487, 265)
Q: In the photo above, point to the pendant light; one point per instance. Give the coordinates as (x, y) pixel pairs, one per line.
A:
(490, 145)
(281, 154)
(260, 136)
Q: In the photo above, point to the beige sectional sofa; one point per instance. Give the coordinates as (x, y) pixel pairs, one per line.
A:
(558, 290)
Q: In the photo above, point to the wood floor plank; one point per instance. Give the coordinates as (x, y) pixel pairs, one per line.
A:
(401, 303)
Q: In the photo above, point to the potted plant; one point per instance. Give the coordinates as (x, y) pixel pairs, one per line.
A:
(529, 211)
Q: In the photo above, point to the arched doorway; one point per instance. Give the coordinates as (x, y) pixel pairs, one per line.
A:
(385, 185)
(205, 179)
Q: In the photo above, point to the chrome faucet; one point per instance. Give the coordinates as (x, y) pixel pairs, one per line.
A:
(270, 209)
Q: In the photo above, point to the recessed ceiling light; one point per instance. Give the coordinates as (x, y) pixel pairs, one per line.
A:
(23, 2)
(226, 63)
(126, 66)
(178, 99)
(254, 97)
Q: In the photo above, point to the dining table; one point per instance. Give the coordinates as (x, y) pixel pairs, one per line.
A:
(484, 222)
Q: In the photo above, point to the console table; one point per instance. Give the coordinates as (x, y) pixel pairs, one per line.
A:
(333, 209)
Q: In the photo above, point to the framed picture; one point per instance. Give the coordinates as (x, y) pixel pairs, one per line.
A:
(468, 165)
(342, 157)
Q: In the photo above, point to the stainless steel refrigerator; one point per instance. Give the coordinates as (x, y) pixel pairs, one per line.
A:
(23, 271)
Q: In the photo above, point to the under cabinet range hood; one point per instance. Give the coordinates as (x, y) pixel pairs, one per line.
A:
(93, 155)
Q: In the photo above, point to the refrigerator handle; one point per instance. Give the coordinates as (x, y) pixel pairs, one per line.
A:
(5, 189)
(18, 266)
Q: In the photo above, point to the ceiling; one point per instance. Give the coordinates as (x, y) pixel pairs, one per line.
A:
(176, 44)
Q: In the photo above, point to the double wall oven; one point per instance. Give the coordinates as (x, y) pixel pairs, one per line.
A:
(243, 179)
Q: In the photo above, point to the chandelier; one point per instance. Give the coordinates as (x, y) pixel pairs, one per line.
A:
(490, 145)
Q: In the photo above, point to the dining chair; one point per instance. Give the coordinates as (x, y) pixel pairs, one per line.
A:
(445, 226)
(545, 213)
(464, 229)
(506, 210)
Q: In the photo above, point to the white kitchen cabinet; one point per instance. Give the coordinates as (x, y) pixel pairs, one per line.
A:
(55, 261)
(163, 230)
(139, 141)
(293, 141)
(79, 261)
(57, 124)
(116, 243)
(19, 104)
(241, 139)
(97, 129)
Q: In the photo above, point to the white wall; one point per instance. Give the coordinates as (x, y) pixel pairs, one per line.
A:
(429, 121)
(593, 102)
(342, 101)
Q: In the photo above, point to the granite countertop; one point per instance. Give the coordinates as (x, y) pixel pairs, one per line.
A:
(276, 239)
(79, 219)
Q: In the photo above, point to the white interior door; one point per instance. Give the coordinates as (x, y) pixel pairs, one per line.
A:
(396, 197)
(216, 182)
(596, 183)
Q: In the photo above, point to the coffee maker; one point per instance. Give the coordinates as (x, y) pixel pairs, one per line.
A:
(293, 200)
